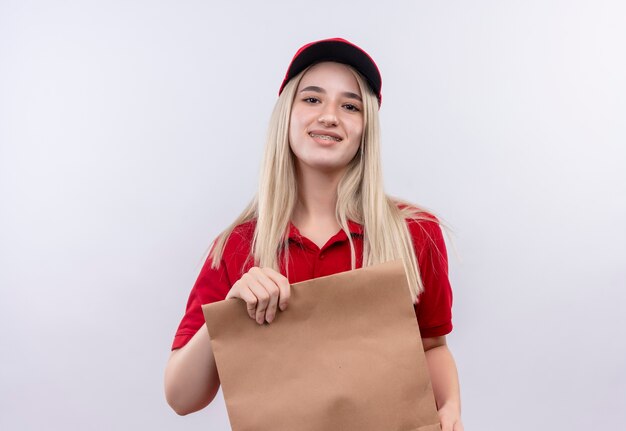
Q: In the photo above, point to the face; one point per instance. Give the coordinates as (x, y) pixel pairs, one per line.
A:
(326, 118)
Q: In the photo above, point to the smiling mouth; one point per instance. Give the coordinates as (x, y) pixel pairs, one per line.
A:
(325, 137)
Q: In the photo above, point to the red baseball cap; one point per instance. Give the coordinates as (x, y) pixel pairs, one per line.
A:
(341, 51)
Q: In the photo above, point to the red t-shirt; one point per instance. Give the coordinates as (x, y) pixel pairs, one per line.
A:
(307, 261)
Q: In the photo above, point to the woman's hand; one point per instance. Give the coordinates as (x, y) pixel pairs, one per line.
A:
(450, 418)
(263, 290)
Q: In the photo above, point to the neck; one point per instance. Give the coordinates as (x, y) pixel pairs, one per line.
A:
(317, 195)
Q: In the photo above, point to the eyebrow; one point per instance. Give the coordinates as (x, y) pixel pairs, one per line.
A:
(317, 89)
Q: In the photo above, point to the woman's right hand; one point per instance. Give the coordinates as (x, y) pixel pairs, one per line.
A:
(263, 290)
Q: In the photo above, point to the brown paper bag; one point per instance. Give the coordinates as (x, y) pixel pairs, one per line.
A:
(345, 355)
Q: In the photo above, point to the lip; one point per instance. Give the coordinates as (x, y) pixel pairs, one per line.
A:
(325, 132)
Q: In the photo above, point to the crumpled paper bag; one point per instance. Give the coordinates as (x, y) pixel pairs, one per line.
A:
(345, 355)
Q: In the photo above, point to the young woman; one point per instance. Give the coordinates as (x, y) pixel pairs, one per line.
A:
(320, 209)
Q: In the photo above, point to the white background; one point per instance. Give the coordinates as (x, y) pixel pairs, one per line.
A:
(131, 134)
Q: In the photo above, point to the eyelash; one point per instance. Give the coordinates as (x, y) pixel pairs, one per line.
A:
(349, 106)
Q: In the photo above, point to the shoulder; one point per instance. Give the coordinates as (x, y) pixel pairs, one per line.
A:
(419, 221)
(239, 239)
(243, 231)
(423, 226)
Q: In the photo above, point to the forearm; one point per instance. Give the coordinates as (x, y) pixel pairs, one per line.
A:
(444, 377)
(191, 379)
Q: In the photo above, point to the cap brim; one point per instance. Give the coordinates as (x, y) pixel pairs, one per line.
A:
(340, 51)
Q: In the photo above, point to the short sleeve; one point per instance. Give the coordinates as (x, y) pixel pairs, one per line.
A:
(434, 305)
(212, 285)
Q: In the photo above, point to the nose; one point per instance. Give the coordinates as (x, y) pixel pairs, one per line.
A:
(328, 118)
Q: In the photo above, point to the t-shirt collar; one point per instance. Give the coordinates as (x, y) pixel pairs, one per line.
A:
(354, 228)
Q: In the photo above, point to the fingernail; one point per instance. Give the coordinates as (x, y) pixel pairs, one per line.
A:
(282, 307)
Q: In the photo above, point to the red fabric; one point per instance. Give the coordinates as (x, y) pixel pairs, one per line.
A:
(307, 261)
(342, 51)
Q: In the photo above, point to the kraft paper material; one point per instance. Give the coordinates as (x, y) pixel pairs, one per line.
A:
(346, 355)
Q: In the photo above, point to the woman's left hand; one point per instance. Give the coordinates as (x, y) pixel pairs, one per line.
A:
(450, 418)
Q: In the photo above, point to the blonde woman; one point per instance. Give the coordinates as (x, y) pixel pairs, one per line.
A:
(320, 209)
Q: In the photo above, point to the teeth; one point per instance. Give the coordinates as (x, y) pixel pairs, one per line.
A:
(326, 137)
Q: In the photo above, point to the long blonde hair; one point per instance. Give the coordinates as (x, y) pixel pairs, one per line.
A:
(360, 197)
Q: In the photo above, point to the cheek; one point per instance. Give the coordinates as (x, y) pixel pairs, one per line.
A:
(291, 132)
(357, 132)
(356, 143)
(294, 122)
(356, 147)
(298, 122)
(293, 143)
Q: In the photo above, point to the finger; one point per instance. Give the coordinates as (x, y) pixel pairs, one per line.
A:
(283, 286)
(251, 301)
(270, 313)
(446, 425)
(458, 426)
(263, 299)
(273, 291)
(241, 291)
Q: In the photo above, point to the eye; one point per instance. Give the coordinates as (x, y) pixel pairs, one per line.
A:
(351, 107)
(311, 99)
